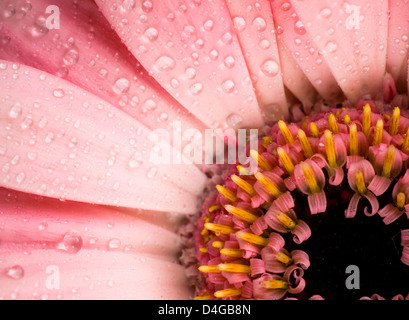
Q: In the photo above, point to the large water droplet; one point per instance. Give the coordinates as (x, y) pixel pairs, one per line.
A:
(151, 33)
(331, 47)
(208, 25)
(59, 93)
(165, 63)
(136, 160)
(15, 111)
(229, 62)
(190, 73)
(299, 27)
(228, 86)
(114, 243)
(147, 6)
(270, 68)
(234, 120)
(239, 23)
(259, 24)
(15, 272)
(71, 243)
(71, 57)
(325, 13)
(196, 88)
(121, 86)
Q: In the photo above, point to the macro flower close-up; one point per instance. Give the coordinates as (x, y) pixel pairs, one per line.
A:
(204, 149)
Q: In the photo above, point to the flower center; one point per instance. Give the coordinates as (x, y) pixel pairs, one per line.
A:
(281, 226)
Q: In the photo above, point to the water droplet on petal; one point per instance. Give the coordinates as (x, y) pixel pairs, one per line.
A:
(151, 33)
(208, 25)
(196, 88)
(286, 6)
(259, 24)
(270, 68)
(59, 93)
(147, 6)
(190, 73)
(114, 243)
(71, 57)
(136, 160)
(15, 272)
(228, 86)
(331, 47)
(165, 63)
(121, 86)
(15, 111)
(234, 120)
(325, 13)
(299, 27)
(71, 243)
(239, 23)
(151, 173)
(229, 62)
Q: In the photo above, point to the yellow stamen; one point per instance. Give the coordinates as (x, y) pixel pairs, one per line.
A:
(266, 141)
(305, 144)
(401, 200)
(387, 164)
(227, 293)
(283, 258)
(210, 269)
(288, 137)
(366, 119)
(261, 162)
(230, 195)
(275, 284)
(378, 133)
(206, 297)
(304, 122)
(243, 171)
(247, 187)
(218, 244)
(360, 182)
(252, 238)
(219, 228)
(314, 132)
(286, 220)
(329, 146)
(204, 250)
(347, 119)
(310, 178)
(235, 253)
(234, 267)
(285, 159)
(268, 185)
(332, 122)
(214, 208)
(241, 214)
(405, 144)
(353, 140)
(394, 126)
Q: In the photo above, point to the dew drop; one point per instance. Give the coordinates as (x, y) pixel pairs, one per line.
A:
(196, 88)
(147, 6)
(214, 54)
(15, 272)
(229, 62)
(299, 27)
(234, 120)
(208, 25)
(270, 68)
(20, 177)
(15, 111)
(228, 86)
(165, 63)
(71, 57)
(286, 6)
(264, 44)
(325, 13)
(151, 33)
(71, 243)
(136, 160)
(121, 86)
(59, 93)
(151, 173)
(331, 47)
(259, 24)
(239, 23)
(190, 73)
(114, 243)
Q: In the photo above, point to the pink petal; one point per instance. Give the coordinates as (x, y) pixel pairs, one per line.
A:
(353, 205)
(257, 267)
(65, 143)
(377, 156)
(190, 46)
(295, 79)
(88, 53)
(255, 29)
(304, 50)
(301, 232)
(373, 200)
(301, 180)
(390, 213)
(260, 292)
(405, 256)
(95, 252)
(379, 185)
(270, 261)
(301, 259)
(404, 234)
(367, 170)
(337, 178)
(337, 30)
(398, 29)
